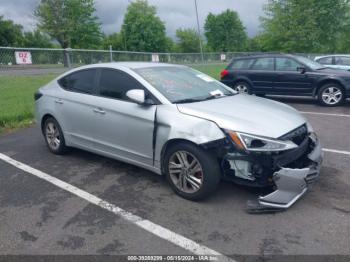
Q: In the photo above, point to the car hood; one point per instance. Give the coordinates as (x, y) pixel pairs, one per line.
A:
(248, 114)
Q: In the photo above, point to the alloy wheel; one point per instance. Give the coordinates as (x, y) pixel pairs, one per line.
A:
(185, 172)
(332, 95)
(242, 89)
(52, 135)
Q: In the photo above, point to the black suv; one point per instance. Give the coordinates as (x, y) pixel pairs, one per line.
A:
(281, 74)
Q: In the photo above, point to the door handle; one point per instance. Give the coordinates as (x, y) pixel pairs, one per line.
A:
(99, 111)
(59, 101)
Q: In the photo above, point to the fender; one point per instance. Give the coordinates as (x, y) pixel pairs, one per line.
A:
(172, 125)
(320, 81)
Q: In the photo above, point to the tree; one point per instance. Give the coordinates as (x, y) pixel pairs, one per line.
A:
(303, 26)
(36, 39)
(115, 40)
(10, 33)
(225, 32)
(71, 22)
(188, 41)
(142, 29)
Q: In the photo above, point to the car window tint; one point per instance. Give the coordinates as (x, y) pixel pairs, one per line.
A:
(265, 63)
(115, 84)
(241, 64)
(82, 81)
(325, 60)
(342, 60)
(286, 64)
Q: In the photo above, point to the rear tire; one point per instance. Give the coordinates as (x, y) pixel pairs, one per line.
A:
(192, 172)
(331, 95)
(242, 87)
(54, 136)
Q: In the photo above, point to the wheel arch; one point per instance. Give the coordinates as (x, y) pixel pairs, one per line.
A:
(328, 81)
(44, 118)
(169, 144)
(243, 79)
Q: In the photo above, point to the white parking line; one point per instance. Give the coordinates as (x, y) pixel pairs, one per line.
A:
(147, 225)
(336, 151)
(323, 114)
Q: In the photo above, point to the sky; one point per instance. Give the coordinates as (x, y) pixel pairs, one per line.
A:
(175, 13)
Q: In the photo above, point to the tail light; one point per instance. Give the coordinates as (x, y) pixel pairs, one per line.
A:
(223, 73)
(37, 95)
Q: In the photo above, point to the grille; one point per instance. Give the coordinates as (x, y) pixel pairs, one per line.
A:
(297, 135)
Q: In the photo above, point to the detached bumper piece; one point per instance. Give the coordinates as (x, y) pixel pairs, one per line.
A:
(291, 185)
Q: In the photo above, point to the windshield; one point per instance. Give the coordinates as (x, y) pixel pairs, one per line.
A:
(183, 84)
(309, 63)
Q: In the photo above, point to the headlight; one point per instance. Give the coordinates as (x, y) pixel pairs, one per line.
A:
(309, 128)
(256, 143)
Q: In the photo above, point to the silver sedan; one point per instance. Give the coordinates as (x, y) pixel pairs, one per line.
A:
(179, 122)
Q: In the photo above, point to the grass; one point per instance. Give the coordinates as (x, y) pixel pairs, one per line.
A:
(16, 99)
(17, 102)
(211, 69)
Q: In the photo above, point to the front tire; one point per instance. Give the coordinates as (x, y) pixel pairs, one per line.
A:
(192, 172)
(331, 95)
(54, 136)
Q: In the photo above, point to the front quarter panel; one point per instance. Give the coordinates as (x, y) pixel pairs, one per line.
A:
(171, 125)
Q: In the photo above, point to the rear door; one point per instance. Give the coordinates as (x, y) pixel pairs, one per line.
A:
(262, 74)
(289, 80)
(123, 128)
(75, 107)
(238, 69)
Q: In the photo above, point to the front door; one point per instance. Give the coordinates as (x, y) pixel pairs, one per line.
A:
(289, 80)
(123, 129)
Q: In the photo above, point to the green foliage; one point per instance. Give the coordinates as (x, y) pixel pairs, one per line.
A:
(71, 22)
(170, 45)
(142, 29)
(188, 41)
(115, 40)
(36, 39)
(304, 26)
(225, 32)
(10, 33)
(16, 100)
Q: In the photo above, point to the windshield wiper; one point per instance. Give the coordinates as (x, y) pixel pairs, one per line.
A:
(187, 100)
(192, 100)
(217, 96)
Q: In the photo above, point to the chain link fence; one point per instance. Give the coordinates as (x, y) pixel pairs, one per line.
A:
(26, 58)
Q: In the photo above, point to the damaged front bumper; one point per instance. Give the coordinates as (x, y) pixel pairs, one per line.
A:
(291, 183)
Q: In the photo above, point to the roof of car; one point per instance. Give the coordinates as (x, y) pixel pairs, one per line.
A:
(263, 55)
(334, 55)
(131, 65)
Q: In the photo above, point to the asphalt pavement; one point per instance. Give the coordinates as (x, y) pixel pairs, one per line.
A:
(40, 218)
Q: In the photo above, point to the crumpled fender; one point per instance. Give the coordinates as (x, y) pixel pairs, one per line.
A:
(171, 124)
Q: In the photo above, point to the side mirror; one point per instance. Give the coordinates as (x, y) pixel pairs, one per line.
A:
(137, 96)
(301, 69)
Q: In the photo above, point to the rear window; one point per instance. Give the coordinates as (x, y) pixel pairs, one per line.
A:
(342, 60)
(266, 63)
(81, 81)
(241, 64)
(325, 60)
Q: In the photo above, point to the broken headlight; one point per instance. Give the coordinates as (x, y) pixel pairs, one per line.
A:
(256, 143)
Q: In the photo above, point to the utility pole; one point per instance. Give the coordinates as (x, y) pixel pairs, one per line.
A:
(199, 32)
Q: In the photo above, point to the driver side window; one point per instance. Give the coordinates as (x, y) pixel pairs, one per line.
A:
(286, 64)
(115, 84)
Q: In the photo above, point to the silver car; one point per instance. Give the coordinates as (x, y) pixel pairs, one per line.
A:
(179, 122)
(335, 61)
